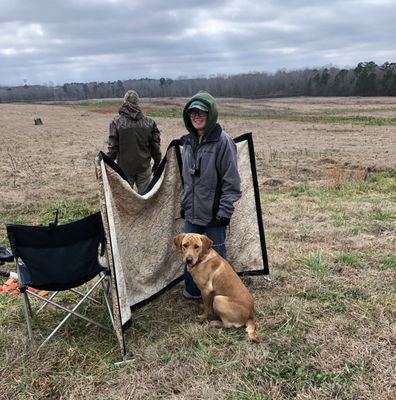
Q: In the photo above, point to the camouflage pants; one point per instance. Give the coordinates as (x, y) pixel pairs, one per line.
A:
(141, 180)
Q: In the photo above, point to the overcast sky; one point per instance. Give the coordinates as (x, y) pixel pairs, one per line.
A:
(58, 41)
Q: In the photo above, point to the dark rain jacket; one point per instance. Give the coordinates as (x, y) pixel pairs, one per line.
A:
(210, 171)
(133, 140)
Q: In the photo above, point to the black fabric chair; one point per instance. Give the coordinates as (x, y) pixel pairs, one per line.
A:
(58, 258)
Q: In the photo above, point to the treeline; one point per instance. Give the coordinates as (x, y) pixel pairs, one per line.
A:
(366, 79)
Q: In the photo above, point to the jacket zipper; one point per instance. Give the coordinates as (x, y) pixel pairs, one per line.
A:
(193, 184)
(195, 158)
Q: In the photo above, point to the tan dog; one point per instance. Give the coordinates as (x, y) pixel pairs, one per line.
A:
(224, 295)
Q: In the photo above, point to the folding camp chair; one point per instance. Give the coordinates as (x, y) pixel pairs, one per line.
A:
(59, 258)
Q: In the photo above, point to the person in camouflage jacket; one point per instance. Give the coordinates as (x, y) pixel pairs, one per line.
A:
(134, 140)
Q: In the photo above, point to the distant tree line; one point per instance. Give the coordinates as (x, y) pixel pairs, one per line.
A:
(366, 79)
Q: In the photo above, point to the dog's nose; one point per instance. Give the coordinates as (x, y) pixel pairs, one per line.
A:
(189, 260)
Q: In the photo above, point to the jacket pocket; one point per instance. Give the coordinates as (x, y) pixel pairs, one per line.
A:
(186, 198)
(203, 203)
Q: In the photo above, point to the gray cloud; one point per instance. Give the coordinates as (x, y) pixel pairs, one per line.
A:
(106, 40)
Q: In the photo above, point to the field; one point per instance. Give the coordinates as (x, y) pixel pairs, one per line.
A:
(327, 175)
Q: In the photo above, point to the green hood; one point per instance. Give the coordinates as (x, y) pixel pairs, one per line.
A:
(210, 102)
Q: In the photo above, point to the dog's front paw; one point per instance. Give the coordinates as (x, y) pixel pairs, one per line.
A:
(216, 323)
(202, 317)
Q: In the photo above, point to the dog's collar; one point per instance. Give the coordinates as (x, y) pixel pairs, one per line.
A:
(207, 257)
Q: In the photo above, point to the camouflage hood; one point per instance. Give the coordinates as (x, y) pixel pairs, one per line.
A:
(131, 110)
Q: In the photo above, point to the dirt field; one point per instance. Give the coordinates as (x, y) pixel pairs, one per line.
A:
(53, 160)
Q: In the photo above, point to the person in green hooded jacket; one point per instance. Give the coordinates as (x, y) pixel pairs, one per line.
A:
(211, 182)
(134, 140)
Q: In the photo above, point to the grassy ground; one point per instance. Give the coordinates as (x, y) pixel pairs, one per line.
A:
(159, 108)
(327, 319)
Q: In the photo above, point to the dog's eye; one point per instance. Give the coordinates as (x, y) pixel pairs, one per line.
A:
(184, 245)
(196, 247)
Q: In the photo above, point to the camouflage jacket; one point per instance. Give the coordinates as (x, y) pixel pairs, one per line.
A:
(133, 140)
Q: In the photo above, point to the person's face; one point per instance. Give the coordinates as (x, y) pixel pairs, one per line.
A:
(198, 119)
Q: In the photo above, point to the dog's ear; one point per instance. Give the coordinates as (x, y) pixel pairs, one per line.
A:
(206, 243)
(177, 240)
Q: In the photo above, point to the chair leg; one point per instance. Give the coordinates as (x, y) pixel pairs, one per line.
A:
(72, 312)
(46, 304)
(106, 290)
(82, 295)
(27, 311)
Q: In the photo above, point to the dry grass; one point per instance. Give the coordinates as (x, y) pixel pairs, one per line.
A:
(327, 319)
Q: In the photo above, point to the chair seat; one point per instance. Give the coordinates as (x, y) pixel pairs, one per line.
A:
(56, 284)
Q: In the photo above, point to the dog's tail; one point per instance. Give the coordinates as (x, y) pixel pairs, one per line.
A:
(251, 330)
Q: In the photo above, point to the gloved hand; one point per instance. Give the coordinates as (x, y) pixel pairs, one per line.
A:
(220, 221)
